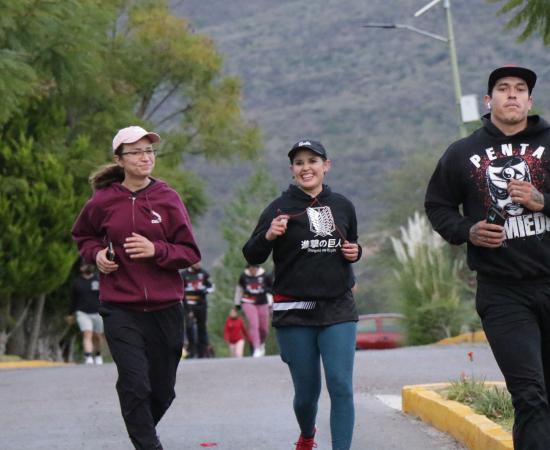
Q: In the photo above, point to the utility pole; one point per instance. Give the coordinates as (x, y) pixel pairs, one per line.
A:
(450, 40)
(454, 60)
(454, 67)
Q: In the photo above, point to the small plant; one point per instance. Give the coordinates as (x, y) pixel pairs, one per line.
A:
(496, 403)
(493, 402)
(466, 390)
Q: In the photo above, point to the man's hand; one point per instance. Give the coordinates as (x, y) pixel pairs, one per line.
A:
(350, 251)
(277, 227)
(490, 235)
(138, 246)
(526, 194)
(103, 264)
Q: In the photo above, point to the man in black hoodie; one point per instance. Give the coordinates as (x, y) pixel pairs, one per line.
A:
(500, 175)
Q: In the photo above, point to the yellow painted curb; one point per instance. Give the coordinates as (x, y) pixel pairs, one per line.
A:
(477, 336)
(23, 364)
(475, 431)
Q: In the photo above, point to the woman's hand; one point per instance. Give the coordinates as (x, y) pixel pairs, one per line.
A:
(350, 251)
(138, 246)
(277, 228)
(103, 264)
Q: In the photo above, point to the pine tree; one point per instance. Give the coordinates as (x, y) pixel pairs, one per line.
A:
(533, 14)
(36, 201)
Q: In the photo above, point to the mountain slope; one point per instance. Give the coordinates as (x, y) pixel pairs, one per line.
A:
(373, 97)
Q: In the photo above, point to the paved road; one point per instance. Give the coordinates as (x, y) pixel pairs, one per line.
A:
(237, 404)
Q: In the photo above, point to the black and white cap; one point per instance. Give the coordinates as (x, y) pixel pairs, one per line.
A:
(314, 146)
(525, 74)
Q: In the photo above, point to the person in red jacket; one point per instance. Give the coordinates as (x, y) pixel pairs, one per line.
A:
(235, 334)
(137, 232)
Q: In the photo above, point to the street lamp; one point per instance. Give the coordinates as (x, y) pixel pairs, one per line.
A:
(452, 50)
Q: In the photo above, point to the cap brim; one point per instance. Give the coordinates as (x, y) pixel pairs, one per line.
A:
(153, 137)
(292, 152)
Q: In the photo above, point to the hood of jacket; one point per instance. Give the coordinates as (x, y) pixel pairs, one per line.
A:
(117, 190)
(535, 126)
(294, 196)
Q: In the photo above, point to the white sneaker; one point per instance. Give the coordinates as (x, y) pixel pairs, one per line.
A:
(98, 360)
(262, 350)
(89, 360)
(257, 353)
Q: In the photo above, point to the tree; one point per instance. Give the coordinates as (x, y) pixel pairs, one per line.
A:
(73, 72)
(143, 65)
(36, 254)
(240, 219)
(534, 14)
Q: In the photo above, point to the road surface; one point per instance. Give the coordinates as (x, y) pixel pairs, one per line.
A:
(230, 404)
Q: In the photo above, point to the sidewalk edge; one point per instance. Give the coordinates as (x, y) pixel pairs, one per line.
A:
(24, 364)
(473, 430)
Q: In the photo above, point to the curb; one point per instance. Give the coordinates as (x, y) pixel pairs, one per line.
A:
(473, 430)
(23, 364)
(475, 337)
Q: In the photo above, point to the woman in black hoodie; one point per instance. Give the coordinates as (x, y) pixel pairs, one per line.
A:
(312, 233)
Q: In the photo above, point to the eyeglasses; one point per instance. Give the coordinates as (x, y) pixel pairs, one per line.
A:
(140, 153)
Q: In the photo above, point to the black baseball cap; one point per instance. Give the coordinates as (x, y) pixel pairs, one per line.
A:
(525, 74)
(314, 146)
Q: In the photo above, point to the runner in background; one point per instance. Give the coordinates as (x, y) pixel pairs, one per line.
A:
(235, 334)
(253, 295)
(196, 285)
(85, 312)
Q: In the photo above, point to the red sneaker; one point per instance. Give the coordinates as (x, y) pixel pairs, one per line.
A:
(305, 444)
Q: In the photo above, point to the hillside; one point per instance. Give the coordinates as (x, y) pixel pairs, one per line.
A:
(374, 97)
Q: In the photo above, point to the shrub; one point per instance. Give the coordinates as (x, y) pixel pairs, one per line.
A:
(429, 283)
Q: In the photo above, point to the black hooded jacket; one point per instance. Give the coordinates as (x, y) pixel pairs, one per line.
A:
(308, 258)
(473, 173)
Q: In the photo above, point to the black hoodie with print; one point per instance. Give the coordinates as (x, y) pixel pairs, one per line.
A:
(474, 172)
(308, 258)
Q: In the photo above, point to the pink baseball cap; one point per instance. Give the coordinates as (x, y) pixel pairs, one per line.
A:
(133, 134)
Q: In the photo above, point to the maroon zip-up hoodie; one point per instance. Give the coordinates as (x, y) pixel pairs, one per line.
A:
(157, 213)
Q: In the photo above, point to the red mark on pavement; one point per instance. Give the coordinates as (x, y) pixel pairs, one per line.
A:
(209, 444)
(471, 356)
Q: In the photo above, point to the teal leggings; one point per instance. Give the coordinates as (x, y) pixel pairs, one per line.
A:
(302, 348)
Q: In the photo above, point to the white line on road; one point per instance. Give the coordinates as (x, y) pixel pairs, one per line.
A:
(393, 401)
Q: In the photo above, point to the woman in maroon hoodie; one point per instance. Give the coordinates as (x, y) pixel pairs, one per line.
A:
(137, 231)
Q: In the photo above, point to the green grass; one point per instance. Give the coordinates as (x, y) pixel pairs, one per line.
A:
(9, 358)
(493, 402)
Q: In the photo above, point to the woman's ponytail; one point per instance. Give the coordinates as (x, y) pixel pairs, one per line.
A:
(106, 175)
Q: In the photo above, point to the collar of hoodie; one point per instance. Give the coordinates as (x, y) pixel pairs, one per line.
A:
(295, 192)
